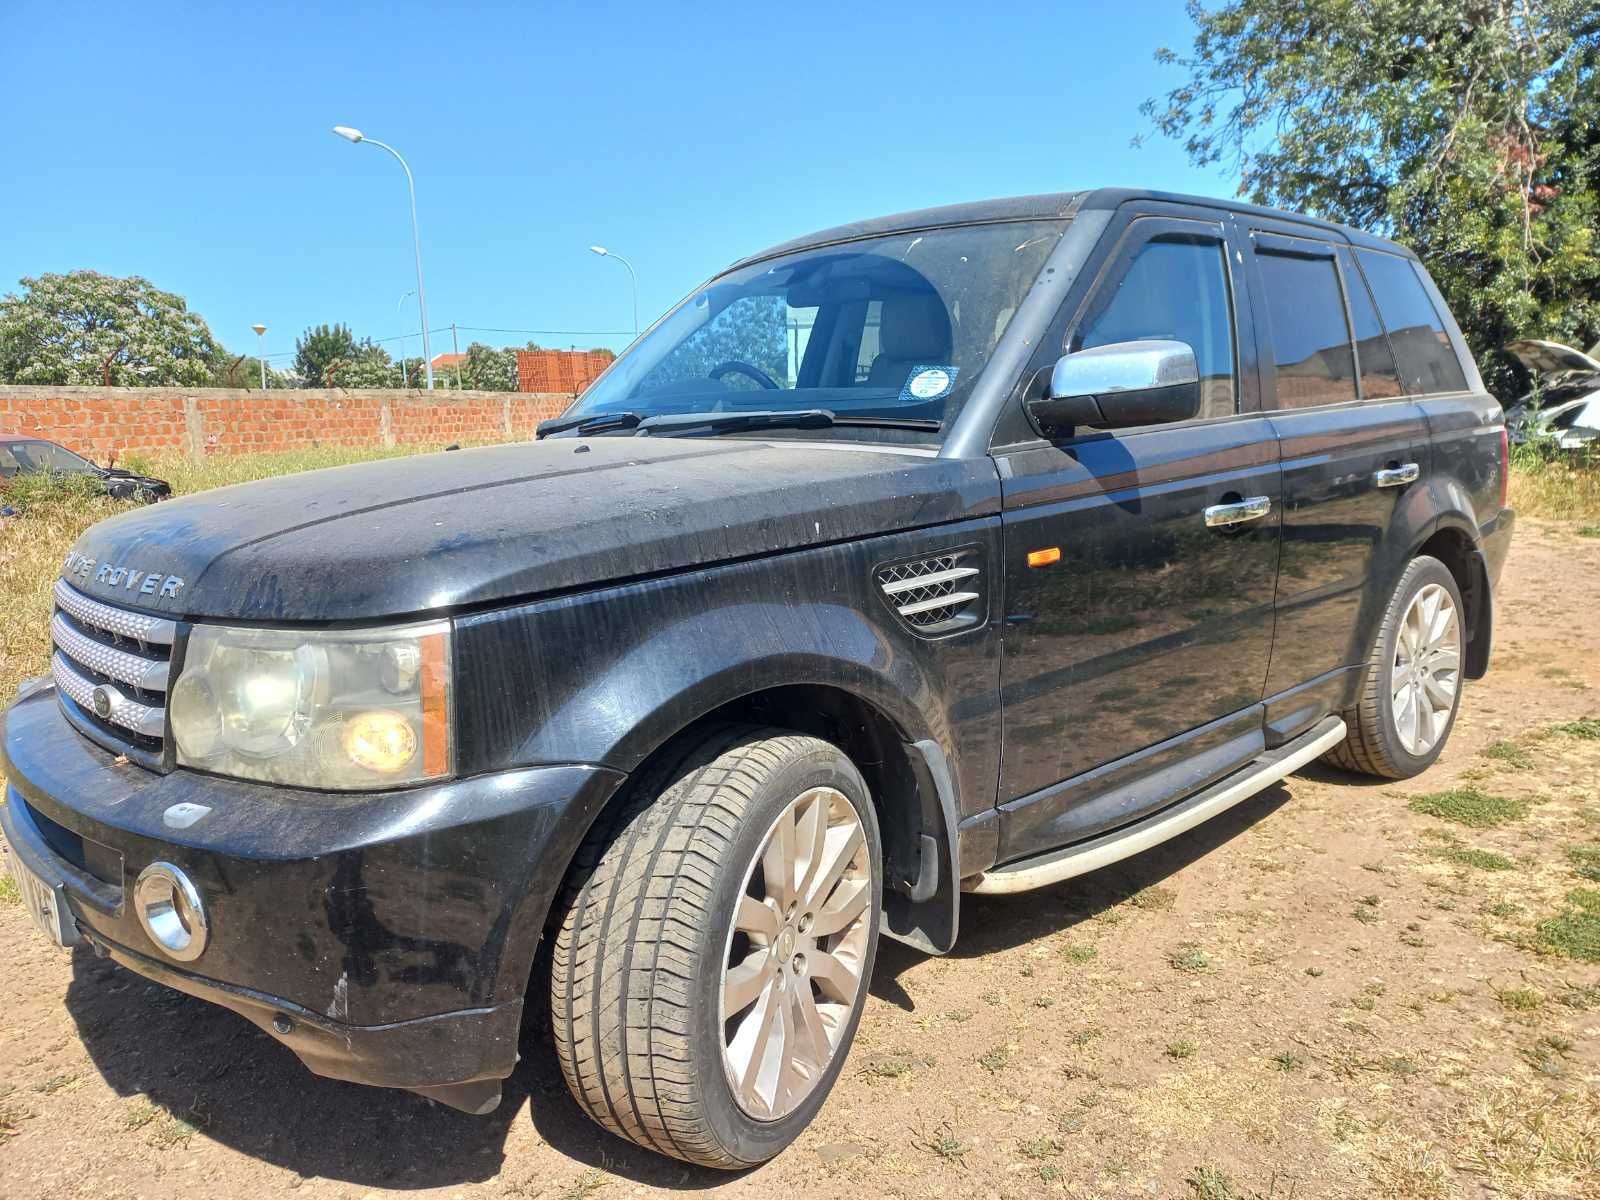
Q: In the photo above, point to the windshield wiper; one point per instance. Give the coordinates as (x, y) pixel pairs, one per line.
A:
(591, 423)
(670, 424)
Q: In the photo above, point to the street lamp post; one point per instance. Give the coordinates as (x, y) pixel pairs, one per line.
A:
(261, 352)
(604, 253)
(355, 135)
(400, 304)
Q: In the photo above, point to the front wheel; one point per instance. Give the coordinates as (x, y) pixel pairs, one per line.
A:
(713, 956)
(1411, 688)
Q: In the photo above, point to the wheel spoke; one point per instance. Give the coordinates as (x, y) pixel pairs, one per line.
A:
(1447, 660)
(848, 901)
(752, 1048)
(754, 917)
(777, 861)
(813, 1041)
(1423, 738)
(1441, 692)
(1405, 716)
(837, 978)
(811, 838)
(843, 842)
(743, 984)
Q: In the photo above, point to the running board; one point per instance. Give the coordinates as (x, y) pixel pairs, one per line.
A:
(1045, 869)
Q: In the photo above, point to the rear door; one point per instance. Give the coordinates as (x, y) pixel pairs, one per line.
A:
(1143, 648)
(1353, 447)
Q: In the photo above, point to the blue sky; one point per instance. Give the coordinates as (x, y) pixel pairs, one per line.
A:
(190, 144)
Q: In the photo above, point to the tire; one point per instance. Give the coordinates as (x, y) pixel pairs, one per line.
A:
(662, 900)
(1380, 741)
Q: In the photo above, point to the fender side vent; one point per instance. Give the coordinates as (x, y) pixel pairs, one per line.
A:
(935, 595)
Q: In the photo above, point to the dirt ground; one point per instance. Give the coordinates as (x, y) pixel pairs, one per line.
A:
(1323, 993)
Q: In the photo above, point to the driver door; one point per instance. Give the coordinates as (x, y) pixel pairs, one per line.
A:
(1135, 662)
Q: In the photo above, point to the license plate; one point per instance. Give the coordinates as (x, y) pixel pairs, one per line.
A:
(47, 905)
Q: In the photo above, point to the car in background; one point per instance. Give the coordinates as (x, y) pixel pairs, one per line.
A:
(31, 456)
(1565, 406)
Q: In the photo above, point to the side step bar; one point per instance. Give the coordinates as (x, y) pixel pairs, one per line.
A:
(1045, 869)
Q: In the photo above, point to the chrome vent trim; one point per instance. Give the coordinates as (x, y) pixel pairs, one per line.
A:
(129, 714)
(938, 594)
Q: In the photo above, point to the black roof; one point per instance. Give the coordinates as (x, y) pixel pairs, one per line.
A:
(1049, 205)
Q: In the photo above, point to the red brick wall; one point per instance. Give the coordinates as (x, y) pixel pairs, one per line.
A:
(568, 371)
(102, 421)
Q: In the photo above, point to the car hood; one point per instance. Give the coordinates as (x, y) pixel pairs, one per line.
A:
(1547, 358)
(440, 532)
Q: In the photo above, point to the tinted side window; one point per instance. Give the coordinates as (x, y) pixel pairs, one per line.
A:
(1427, 361)
(1310, 339)
(1177, 289)
(1379, 379)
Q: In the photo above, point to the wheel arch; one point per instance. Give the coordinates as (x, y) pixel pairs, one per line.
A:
(907, 776)
(1458, 550)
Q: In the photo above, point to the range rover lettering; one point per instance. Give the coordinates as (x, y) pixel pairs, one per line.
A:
(953, 553)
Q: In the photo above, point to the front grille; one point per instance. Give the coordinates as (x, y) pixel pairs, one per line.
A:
(113, 665)
(935, 594)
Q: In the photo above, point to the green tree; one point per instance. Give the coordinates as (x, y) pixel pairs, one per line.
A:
(369, 366)
(488, 369)
(1467, 129)
(66, 328)
(320, 346)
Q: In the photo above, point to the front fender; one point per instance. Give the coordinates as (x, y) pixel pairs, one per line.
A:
(608, 676)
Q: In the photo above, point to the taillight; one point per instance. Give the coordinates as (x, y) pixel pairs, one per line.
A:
(1505, 466)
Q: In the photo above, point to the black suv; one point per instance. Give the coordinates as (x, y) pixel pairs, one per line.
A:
(961, 551)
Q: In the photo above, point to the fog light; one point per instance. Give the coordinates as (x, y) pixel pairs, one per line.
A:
(171, 911)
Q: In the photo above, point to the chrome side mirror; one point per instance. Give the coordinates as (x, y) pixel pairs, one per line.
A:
(1119, 386)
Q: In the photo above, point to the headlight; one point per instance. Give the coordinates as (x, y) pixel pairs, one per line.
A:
(336, 709)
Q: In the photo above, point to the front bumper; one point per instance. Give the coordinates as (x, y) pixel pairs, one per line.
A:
(385, 938)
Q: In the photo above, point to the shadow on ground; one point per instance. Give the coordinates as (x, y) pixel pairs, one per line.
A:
(208, 1066)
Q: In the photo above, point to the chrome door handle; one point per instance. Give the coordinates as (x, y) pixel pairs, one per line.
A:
(1251, 508)
(1397, 476)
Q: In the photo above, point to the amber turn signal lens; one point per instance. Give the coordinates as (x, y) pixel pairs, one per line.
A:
(1043, 558)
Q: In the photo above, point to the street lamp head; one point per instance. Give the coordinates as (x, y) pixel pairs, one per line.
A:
(259, 328)
(600, 250)
(349, 134)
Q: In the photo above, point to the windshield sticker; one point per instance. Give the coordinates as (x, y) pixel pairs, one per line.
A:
(928, 382)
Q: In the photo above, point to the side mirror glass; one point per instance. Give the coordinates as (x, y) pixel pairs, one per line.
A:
(1119, 386)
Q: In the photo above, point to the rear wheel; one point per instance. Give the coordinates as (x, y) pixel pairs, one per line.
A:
(1412, 685)
(713, 955)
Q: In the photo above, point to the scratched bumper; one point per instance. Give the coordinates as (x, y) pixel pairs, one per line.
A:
(385, 938)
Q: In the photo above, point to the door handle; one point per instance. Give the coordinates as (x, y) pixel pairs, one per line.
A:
(1397, 476)
(1251, 508)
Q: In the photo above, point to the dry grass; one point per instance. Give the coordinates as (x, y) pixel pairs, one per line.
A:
(55, 512)
(1566, 490)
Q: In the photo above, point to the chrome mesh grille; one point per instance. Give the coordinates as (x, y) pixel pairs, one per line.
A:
(931, 593)
(114, 666)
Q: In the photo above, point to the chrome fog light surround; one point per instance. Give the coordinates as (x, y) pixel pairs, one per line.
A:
(171, 911)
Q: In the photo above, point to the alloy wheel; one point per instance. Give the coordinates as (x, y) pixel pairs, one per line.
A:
(792, 969)
(1426, 670)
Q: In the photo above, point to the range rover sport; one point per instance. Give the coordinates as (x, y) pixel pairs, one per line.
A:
(963, 551)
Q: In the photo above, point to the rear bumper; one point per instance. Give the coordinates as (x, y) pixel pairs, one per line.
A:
(385, 939)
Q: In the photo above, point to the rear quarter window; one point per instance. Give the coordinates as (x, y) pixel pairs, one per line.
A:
(1422, 350)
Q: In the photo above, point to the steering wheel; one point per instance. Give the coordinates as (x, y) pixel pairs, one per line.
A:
(735, 367)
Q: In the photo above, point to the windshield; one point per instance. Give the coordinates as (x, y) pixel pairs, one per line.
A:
(896, 327)
(40, 456)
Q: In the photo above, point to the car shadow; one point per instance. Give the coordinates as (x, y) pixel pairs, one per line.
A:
(215, 1070)
(994, 923)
